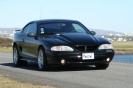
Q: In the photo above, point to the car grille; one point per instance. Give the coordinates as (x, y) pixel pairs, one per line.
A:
(86, 48)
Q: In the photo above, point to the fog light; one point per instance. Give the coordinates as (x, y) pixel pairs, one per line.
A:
(63, 61)
(108, 59)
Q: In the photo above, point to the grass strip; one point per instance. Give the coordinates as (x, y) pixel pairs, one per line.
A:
(10, 83)
(6, 49)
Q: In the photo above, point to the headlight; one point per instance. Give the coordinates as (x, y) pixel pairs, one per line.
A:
(105, 46)
(61, 48)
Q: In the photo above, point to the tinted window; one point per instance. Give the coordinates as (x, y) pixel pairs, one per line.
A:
(50, 27)
(25, 29)
(78, 28)
(32, 28)
(58, 27)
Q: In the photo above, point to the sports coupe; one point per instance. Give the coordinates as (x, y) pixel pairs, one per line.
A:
(60, 42)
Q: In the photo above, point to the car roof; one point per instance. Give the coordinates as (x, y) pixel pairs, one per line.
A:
(54, 20)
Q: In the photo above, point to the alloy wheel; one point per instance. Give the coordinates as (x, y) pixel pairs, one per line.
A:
(40, 59)
(15, 56)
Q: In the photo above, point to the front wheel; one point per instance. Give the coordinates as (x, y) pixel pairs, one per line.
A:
(102, 66)
(42, 60)
(16, 58)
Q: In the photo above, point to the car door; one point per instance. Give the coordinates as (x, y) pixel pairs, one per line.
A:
(22, 44)
(29, 46)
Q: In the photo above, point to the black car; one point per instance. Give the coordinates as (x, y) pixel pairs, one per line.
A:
(60, 42)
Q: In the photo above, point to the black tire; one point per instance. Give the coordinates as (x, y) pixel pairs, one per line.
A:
(42, 60)
(102, 66)
(16, 58)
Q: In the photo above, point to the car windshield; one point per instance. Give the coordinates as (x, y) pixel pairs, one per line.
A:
(62, 27)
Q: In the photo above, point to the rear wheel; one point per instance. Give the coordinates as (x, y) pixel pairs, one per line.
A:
(42, 60)
(16, 58)
(102, 66)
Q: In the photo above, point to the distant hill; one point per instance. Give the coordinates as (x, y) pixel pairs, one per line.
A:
(8, 30)
(105, 32)
(98, 31)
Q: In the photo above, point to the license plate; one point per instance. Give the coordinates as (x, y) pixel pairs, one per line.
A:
(87, 56)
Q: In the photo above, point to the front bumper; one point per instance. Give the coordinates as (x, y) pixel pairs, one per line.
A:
(73, 58)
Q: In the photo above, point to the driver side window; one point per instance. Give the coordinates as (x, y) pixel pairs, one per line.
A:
(25, 29)
(30, 28)
(78, 28)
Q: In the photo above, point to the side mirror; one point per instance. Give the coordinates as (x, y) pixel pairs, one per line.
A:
(93, 32)
(31, 34)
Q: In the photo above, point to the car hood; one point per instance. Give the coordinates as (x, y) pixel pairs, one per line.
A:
(79, 39)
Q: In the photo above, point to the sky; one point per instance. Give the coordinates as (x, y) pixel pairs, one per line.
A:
(112, 15)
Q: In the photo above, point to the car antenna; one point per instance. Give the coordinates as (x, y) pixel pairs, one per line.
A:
(41, 13)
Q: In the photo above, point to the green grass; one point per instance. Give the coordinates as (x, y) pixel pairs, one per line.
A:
(10, 83)
(6, 49)
(122, 45)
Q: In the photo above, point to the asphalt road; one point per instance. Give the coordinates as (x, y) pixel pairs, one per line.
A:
(118, 75)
